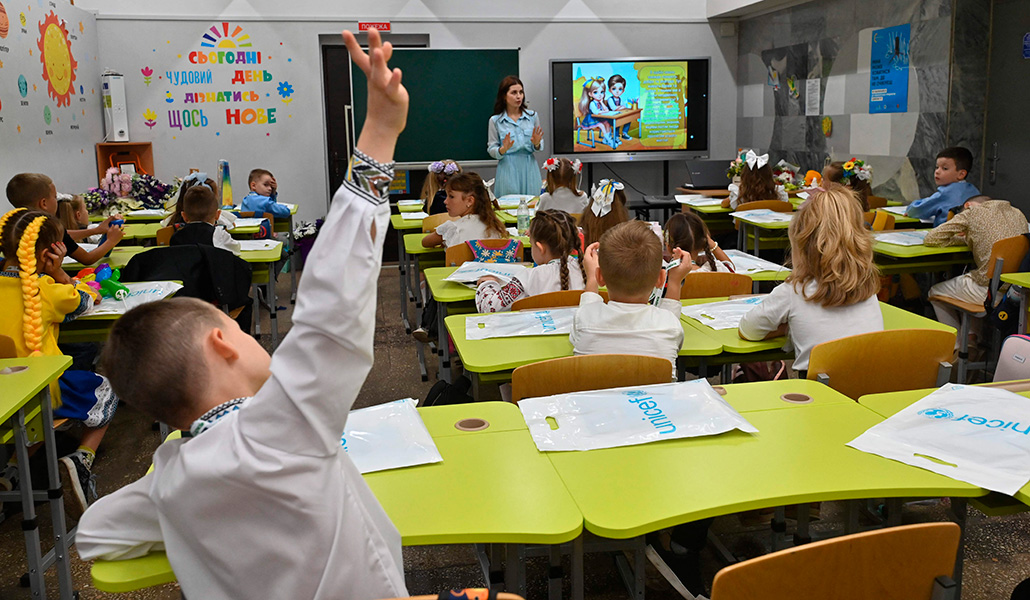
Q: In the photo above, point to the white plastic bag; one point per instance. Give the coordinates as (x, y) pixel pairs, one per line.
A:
(471, 271)
(722, 315)
(973, 434)
(554, 321)
(388, 436)
(749, 263)
(139, 293)
(629, 416)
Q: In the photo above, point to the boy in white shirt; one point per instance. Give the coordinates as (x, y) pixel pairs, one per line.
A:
(628, 260)
(262, 502)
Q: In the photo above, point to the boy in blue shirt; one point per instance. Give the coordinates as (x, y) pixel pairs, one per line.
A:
(262, 196)
(953, 190)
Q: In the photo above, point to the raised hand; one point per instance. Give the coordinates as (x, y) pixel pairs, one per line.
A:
(538, 135)
(507, 143)
(387, 112)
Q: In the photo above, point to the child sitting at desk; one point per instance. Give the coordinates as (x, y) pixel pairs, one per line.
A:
(981, 224)
(176, 220)
(200, 214)
(953, 190)
(35, 191)
(831, 292)
(468, 200)
(36, 296)
(563, 191)
(264, 195)
(606, 209)
(854, 174)
(688, 232)
(264, 475)
(628, 260)
(756, 183)
(433, 190)
(554, 239)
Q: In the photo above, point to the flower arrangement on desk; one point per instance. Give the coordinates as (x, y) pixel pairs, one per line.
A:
(736, 165)
(97, 200)
(116, 183)
(151, 192)
(858, 169)
(786, 174)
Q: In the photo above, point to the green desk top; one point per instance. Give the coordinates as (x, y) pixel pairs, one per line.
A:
(129, 218)
(245, 230)
(410, 207)
(899, 318)
(712, 209)
(413, 244)
(270, 255)
(140, 231)
(1021, 279)
(504, 354)
(780, 275)
(896, 251)
(474, 476)
(768, 226)
(401, 224)
(767, 395)
(799, 455)
(447, 291)
(118, 258)
(22, 386)
(502, 416)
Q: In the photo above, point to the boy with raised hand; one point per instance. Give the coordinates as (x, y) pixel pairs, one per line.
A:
(953, 190)
(628, 260)
(262, 502)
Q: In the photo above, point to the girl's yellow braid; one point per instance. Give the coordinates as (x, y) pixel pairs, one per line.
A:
(32, 319)
(4, 219)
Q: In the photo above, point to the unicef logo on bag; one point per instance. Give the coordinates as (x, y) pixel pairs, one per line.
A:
(937, 413)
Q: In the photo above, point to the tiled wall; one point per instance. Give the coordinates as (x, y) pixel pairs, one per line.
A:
(830, 40)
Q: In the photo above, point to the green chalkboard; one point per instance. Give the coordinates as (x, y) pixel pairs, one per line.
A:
(452, 97)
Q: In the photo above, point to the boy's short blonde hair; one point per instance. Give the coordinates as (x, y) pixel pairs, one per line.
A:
(24, 190)
(630, 257)
(200, 204)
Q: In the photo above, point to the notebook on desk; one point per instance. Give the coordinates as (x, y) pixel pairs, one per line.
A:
(706, 174)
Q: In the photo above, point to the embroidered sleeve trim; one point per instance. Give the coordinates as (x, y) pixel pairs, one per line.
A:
(369, 178)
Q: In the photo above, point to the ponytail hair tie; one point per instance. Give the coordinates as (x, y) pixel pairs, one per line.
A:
(551, 164)
(604, 196)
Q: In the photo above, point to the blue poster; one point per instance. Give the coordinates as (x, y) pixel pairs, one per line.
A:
(888, 70)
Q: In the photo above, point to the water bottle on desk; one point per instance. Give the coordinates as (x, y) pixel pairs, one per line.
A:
(522, 223)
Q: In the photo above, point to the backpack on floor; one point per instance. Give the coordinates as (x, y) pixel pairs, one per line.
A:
(443, 393)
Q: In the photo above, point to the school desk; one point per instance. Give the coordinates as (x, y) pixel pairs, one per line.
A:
(266, 277)
(402, 225)
(452, 297)
(798, 456)
(140, 231)
(778, 241)
(909, 222)
(893, 259)
(442, 421)
(708, 193)
(117, 258)
(716, 217)
(492, 356)
(410, 207)
(286, 225)
(244, 230)
(618, 118)
(1023, 281)
(26, 385)
(134, 218)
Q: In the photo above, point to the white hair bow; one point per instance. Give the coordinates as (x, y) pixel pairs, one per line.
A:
(604, 196)
(489, 185)
(755, 161)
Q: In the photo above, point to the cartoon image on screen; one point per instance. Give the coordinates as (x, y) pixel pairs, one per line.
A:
(630, 106)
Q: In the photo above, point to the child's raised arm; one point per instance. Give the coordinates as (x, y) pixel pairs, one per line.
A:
(114, 235)
(320, 367)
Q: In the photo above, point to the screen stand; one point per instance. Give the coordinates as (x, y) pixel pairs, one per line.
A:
(665, 178)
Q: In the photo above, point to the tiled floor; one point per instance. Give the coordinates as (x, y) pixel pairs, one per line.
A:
(997, 549)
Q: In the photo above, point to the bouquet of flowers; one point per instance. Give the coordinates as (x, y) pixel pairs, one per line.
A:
(97, 199)
(786, 174)
(858, 169)
(116, 183)
(150, 192)
(307, 229)
(736, 165)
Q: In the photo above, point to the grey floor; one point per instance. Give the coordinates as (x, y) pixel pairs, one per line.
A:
(997, 549)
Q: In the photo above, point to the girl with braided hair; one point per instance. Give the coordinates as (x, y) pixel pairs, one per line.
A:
(688, 232)
(554, 239)
(38, 296)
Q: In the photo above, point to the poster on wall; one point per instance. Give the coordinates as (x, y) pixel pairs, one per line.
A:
(888, 70)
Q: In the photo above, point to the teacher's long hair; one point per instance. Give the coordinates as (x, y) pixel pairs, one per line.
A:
(500, 104)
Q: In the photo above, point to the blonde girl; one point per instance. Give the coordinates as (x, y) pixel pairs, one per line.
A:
(468, 201)
(592, 101)
(688, 232)
(831, 292)
(555, 240)
(72, 212)
(562, 184)
(756, 182)
(606, 209)
(433, 190)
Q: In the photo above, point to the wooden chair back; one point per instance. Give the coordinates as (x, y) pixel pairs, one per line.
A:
(882, 221)
(714, 285)
(773, 205)
(460, 254)
(868, 363)
(897, 563)
(552, 300)
(1011, 251)
(876, 202)
(7, 347)
(431, 222)
(869, 216)
(587, 372)
(164, 235)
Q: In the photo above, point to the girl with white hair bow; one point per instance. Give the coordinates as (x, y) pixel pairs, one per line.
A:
(756, 182)
(607, 208)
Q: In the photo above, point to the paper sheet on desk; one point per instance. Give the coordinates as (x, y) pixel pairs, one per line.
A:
(471, 271)
(629, 416)
(722, 315)
(252, 245)
(973, 434)
(246, 222)
(902, 238)
(697, 200)
(513, 200)
(409, 203)
(288, 205)
(900, 210)
(388, 436)
(763, 215)
(414, 216)
(139, 293)
(146, 212)
(555, 321)
(85, 246)
(748, 263)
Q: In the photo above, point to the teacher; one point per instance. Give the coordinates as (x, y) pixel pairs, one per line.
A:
(514, 134)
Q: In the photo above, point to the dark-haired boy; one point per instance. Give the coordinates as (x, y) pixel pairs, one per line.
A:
(953, 190)
(262, 501)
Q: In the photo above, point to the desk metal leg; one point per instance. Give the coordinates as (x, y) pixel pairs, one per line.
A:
(741, 237)
(273, 310)
(415, 281)
(402, 282)
(443, 345)
(293, 258)
(1024, 303)
(62, 539)
(958, 510)
(29, 524)
(515, 568)
(755, 232)
(476, 391)
(577, 567)
(554, 573)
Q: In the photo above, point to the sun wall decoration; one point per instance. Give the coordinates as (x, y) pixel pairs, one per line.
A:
(55, 52)
(219, 37)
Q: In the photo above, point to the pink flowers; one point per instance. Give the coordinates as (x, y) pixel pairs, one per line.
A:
(147, 72)
(116, 182)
